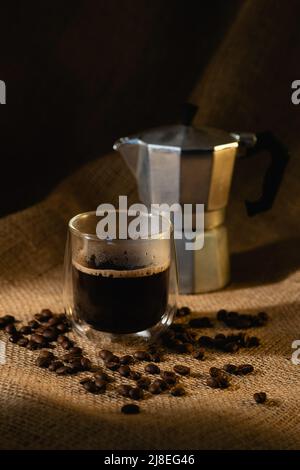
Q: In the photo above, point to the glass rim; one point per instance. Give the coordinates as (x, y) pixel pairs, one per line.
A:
(92, 236)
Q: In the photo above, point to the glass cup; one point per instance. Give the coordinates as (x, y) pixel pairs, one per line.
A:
(115, 288)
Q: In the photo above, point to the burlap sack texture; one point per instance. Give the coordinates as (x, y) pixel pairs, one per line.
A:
(40, 410)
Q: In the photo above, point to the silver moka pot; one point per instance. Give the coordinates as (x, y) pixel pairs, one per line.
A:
(182, 164)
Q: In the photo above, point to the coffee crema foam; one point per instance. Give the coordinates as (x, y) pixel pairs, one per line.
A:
(117, 273)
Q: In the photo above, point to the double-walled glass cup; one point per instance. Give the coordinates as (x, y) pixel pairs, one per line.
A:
(116, 287)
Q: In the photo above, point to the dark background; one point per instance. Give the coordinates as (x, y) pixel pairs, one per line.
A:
(79, 74)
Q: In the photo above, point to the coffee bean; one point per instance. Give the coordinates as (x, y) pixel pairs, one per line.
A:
(102, 376)
(124, 390)
(124, 370)
(2, 323)
(43, 361)
(136, 393)
(206, 341)
(61, 339)
(144, 383)
(231, 369)
(200, 322)
(10, 329)
(112, 365)
(105, 354)
(214, 371)
(253, 342)
(245, 369)
(37, 339)
(67, 344)
(260, 397)
(130, 409)
(183, 311)
(134, 375)
(182, 370)
(231, 347)
(14, 338)
(114, 358)
(54, 365)
(25, 330)
(177, 391)
(223, 381)
(33, 325)
(22, 342)
(127, 359)
(155, 389)
(221, 315)
(101, 385)
(85, 363)
(183, 348)
(152, 369)
(64, 370)
(85, 380)
(199, 354)
(75, 351)
(212, 382)
(61, 327)
(47, 354)
(90, 386)
(50, 334)
(169, 377)
(75, 365)
(32, 346)
(161, 383)
(142, 355)
(53, 321)
(155, 357)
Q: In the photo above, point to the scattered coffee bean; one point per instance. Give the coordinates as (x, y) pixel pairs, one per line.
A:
(155, 357)
(214, 371)
(200, 322)
(212, 382)
(32, 346)
(54, 365)
(75, 365)
(101, 385)
(75, 351)
(85, 380)
(177, 391)
(245, 369)
(90, 386)
(102, 376)
(155, 388)
(61, 339)
(231, 369)
(64, 370)
(61, 327)
(206, 341)
(161, 383)
(124, 390)
(43, 361)
(105, 354)
(130, 409)
(142, 355)
(112, 365)
(260, 397)
(22, 342)
(124, 370)
(182, 370)
(10, 329)
(85, 363)
(242, 321)
(152, 369)
(136, 393)
(37, 339)
(14, 338)
(199, 354)
(144, 383)
(169, 377)
(25, 330)
(127, 359)
(33, 325)
(50, 334)
(135, 375)
(67, 344)
(183, 311)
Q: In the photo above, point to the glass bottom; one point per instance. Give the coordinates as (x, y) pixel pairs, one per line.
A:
(101, 338)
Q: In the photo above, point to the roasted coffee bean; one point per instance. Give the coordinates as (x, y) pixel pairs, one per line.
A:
(183, 311)
(135, 375)
(206, 341)
(200, 322)
(231, 347)
(142, 355)
(90, 386)
(136, 393)
(43, 361)
(152, 369)
(223, 381)
(10, 329)
(231, 369)
(212, 382)
(53, 321)
(182, 370)
(260, 397)
(47, 354)
(114, 358)
(221, 315)
(245, 369)
(130, 409)
(75, 351)
(25, 330)
(124, 370)
(14, 338)
(199, 354)
(177, 391)
(102, 376)
(101, 385)
(161, 383)
(263, 316)
(105, 354)
(61, 327)
(112, 365)
(2, 323)
(32, 346)
(33, 325)
(144, 383)
(64, 370)
(9, 319)
(67, 344)
(85, 380)
(214, 371)
(37, 338)
(124, 390)
(46, 314)
(85, 363)
(184, 348)
(155, 357)
(168, 376)
(50, 334)
(22, 342)
(75, 366)
(127, 359)
(54, 365)
(61, 339)
(155, 388)
(252, 342)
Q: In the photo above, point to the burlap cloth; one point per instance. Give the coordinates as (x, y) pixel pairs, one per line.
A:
(40, 410)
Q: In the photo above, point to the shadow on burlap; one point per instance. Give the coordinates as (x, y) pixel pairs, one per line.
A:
(40, 410)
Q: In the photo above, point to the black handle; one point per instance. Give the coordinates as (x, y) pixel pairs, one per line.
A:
(274, 174)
